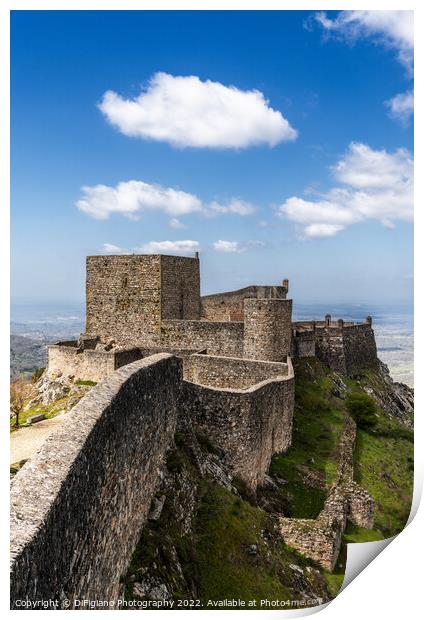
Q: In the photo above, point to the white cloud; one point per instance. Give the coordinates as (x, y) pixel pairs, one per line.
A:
(169, 247)
(394, 29)
(364, 168)
(375, 185)
(401, 107)
(132, 197)
(235, 246)
(174, 222)
(109, 248)
(186, 112)
(235, 205)
(226, 246)
(322, 230)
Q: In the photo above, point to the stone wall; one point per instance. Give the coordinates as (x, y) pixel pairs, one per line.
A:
(267, 329)
(229, 306)
(127, 296)
(180, 288)
(77, 506)
(303, 344)
(359, 348)
(68, 360)
(249, 425)
(344, 347)
(329, 347)
(217, 337)
(228, 372)
(123, 298)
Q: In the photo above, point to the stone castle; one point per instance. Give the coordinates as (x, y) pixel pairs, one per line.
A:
(162, 353)
(139, 305)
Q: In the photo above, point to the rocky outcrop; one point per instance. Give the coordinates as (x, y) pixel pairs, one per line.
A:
(397, 399)
(164, 565)
(50, 389)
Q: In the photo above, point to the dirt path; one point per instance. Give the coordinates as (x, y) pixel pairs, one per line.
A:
(25, 442)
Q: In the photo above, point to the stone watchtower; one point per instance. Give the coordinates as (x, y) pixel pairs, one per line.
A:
(267, 329)
(127, 297)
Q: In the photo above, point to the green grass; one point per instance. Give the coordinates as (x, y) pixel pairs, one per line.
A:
(384, 466)
(85, 382)
(217, 552)
(216, 555)
(352, 534)
(15, 467)
(225, 526)
(318, 423)
(383, 455)
(50, 411)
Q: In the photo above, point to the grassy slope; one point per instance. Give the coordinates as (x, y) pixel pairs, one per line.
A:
(224, 528)
(317, 427)
(50, 411)
(215, 556)
(383, 458)
(54, 408)
(384, 466)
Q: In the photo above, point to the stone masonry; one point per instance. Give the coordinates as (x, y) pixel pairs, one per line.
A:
(345, 347)
(245, 408)
(161, 353)
(153, 302)
(78, 505)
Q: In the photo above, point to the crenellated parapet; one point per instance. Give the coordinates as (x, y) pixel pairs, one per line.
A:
(344, 346)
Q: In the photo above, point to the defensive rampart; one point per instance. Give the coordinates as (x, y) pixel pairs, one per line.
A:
(249, 425)
(70, 360)
(344, 346)
(217, 337)
(229, 306)
(78, 505)
(229, 372)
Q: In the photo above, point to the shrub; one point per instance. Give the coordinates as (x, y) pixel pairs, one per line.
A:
(363, 410)
(37, 374)
(174, 461)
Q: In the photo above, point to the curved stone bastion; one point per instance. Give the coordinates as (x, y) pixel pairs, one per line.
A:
(77, 506)
(244, 406)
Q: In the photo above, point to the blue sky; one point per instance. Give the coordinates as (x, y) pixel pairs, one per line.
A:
(309, 177)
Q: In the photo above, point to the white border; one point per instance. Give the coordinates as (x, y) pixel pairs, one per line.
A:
(391, 585)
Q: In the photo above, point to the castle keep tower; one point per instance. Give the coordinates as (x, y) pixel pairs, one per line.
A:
(127, 297)
(267, 329)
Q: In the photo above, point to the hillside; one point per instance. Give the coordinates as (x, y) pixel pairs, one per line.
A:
(26, 355)
(208, 538)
